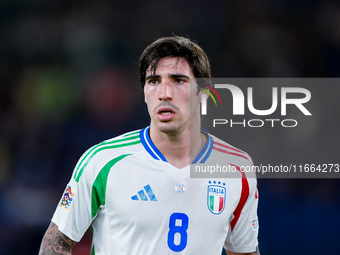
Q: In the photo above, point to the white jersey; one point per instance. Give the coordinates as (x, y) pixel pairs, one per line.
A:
(138, 203)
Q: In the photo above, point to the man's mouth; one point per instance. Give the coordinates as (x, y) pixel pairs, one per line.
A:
(165, 113)
(165, 110)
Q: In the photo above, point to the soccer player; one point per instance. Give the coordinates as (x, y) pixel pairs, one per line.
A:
(136, 191)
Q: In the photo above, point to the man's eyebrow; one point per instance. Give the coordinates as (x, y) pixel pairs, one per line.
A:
(152, 76)
(173, 76)
(176, 76)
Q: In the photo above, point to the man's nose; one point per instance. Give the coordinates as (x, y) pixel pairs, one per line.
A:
(165, 90)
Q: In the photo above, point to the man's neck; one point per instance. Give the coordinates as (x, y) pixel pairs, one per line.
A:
(181, 148)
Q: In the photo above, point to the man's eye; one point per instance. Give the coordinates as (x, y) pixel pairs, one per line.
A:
(179, 81)
(153, 82)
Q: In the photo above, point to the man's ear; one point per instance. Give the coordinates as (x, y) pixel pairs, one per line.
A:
(200, 93)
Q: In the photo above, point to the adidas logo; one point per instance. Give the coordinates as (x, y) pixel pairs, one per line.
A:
(144, 194)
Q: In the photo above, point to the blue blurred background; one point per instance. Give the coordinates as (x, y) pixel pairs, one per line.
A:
(69, 79)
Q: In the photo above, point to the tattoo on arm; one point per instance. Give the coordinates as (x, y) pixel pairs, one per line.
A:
(54, 242)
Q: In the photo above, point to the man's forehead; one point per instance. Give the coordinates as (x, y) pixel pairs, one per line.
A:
(172, 63)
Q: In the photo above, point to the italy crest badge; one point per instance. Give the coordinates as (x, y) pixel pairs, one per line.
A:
(216, 197)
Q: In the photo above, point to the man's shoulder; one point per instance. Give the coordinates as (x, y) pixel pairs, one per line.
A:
(108, 152)
(222, 146)
(221, 143)
(122, 143)
(223, 152)
(125, 136)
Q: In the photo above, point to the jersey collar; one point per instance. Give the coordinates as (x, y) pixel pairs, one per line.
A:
(156, 154)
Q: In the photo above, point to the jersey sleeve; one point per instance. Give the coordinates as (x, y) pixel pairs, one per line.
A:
(244, 227)
(73, 214)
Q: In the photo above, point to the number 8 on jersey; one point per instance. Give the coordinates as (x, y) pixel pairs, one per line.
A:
(178, 226)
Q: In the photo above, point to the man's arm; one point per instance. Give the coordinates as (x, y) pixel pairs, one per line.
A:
(54, 242)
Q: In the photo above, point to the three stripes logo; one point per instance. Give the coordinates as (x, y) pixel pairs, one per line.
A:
(204, 98)
(145, 194)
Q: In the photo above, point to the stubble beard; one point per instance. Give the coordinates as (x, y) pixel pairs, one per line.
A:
(169, 127)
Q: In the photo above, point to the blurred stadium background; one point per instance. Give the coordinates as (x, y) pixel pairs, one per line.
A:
(69, 79)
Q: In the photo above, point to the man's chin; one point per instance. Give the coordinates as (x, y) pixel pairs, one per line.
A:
(167, 128)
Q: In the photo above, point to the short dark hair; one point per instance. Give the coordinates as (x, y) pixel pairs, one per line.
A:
(174, 46)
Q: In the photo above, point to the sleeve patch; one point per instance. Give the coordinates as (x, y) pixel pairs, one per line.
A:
(254, 224)
(67, 198)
